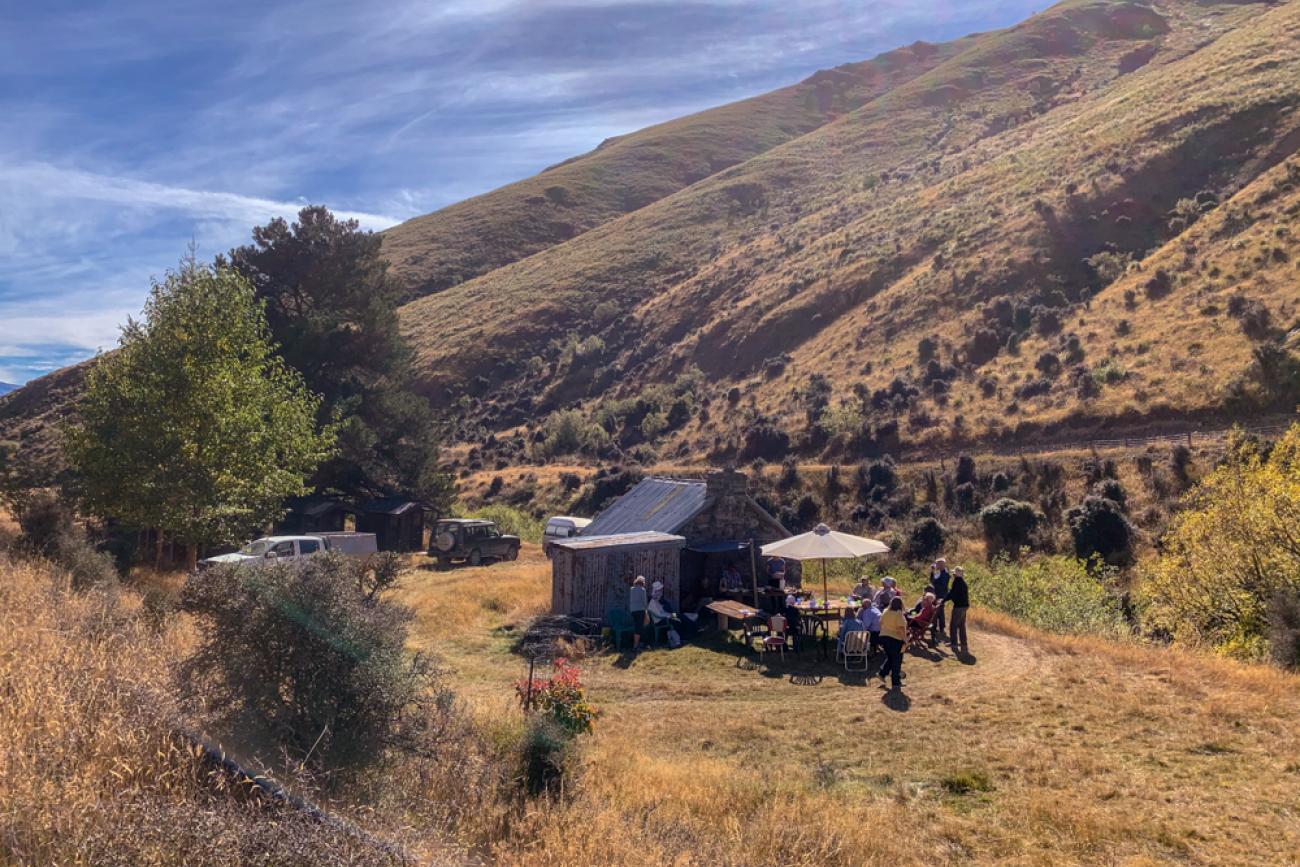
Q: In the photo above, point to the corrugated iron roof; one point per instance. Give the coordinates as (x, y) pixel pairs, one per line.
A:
(388, 506)
(653, 505)
(585, 543)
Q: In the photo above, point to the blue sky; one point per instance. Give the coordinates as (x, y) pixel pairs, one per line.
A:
(128, 128)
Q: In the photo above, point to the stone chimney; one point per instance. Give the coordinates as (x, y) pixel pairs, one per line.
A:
(726, 483)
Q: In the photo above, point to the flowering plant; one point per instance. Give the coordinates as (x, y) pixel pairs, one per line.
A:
(562, 696)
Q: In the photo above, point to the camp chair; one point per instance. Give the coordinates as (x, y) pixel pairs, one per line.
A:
(654, 627)
(917, 627)
(776, 637)
(855, 647)
(620, 624)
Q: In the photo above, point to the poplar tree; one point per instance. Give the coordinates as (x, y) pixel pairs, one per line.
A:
(194, 426)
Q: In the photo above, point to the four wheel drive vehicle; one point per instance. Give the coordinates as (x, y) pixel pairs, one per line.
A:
(471, 540)
(561, 527)
(281, 548)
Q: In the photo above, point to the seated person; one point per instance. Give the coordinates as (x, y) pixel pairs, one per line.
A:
(850, 624)
(661, 610)
(731, 580)
(863, 589)
(922, 614)
(888, 590)
(920, 603)
(870, 619)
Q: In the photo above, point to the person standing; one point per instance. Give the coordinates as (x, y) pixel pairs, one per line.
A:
(636, 606)
(893, 634)
(939, 580)
(959, 596)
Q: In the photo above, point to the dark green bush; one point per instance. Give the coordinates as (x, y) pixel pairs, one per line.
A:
(926, 539)
(545, 756)
(308, 653)
(1008, 526)
(1100, 528)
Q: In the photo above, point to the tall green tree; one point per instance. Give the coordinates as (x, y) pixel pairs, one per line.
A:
(194, 426)
(332, 306)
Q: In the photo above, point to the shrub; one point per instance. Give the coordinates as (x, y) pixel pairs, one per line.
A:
(1111, 489)
(87, 567)
(562, 697)
(303, 650)
(966, 499)
(789, 479)
(1053, 593)
(965, 782)
(45, 522)
(1100, 528)
(1284, 629)
(1008, 526)
(926, 539)
(1231, 552)
(763, 439)
(1159, 285)
(1048, 364)
(983, 346)
(545, 755)
(926, 349)
(514, 521)
(965, 470)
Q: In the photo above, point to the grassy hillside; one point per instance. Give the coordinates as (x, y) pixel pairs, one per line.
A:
(1001, 205)
(473, 237)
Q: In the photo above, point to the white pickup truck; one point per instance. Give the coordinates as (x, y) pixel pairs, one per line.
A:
(280, 549)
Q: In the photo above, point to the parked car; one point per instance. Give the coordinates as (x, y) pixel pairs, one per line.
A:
(562, 527)
(472, 541)
(288, 548)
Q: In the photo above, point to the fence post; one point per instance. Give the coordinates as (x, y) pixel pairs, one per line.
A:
(1189, 439)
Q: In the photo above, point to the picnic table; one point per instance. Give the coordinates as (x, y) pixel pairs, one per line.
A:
(816, 617)
(729, 609)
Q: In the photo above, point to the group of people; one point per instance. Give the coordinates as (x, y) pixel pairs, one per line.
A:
(891, 627)
(653, 608)
(883, 616)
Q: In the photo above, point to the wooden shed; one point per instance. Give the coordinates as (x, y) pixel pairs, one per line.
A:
(591, 574)
(315, 515)
(716, 516)
(398, 524)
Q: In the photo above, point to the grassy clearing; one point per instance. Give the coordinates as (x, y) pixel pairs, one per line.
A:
(1076, 746)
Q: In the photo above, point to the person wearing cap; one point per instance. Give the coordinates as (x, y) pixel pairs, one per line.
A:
(959, 596)
(888, 590)
(939, 580)
(636, 606)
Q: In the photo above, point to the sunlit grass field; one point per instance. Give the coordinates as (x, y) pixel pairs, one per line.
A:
(1041, 750)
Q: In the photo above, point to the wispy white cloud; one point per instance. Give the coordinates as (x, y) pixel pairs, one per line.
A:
(130, 127)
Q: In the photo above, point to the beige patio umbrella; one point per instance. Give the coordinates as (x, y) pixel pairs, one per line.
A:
(823, 544)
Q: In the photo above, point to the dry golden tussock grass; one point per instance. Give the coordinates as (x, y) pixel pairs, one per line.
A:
(1047, 749)
(92, 771)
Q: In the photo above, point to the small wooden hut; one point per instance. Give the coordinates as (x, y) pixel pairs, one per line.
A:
(716, 516)
(398, 523)
(590, 575)
(308, 515)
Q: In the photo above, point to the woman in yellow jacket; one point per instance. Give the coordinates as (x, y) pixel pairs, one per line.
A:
(893, 633)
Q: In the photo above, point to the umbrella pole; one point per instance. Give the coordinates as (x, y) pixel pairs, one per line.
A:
(753, 570)
(826, 594)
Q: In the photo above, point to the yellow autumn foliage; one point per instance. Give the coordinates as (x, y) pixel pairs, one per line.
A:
(1228, 555)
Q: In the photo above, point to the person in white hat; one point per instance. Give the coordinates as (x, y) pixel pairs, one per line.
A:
(888, 590)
